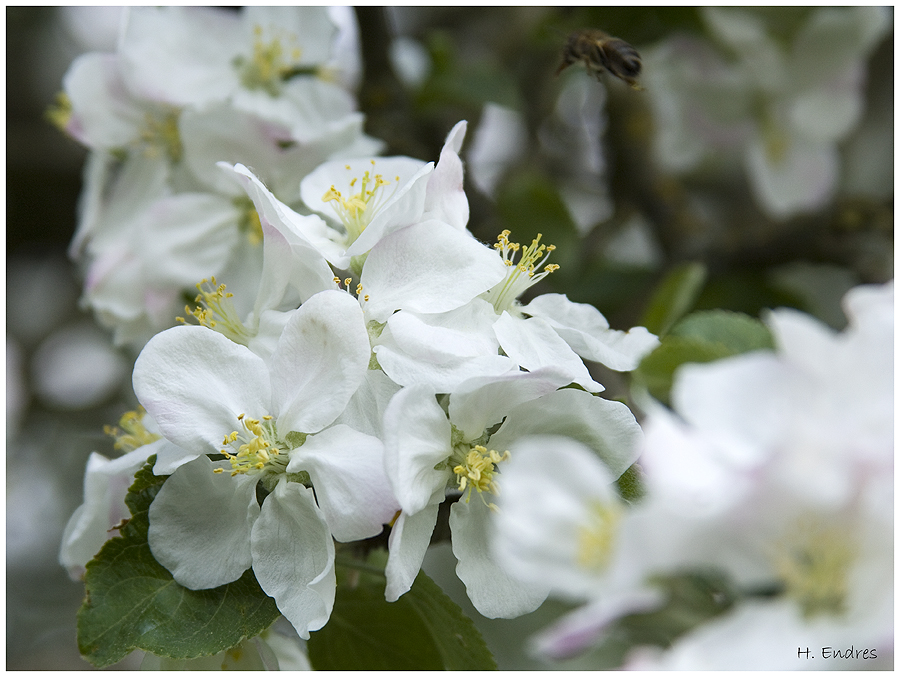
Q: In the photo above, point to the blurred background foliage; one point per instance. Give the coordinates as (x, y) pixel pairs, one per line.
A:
(660, 244)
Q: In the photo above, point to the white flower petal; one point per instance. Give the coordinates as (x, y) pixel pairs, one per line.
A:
(409, 539)
(365, 411)
(195, 383)
(416, 438)
(180, 55)
(532, 344)
(200, 524)
(320, 361)
(587, 332)
(538, 540)
(104, 114)
(607, 427)
(583, 628)
(741, 400)
(293, 556)
(492, 590)
(106, 483)
(481, 402)
(298, 233)
(445, 199)
(187, 237)
(439, 377)
(429, 267)
(347, 470)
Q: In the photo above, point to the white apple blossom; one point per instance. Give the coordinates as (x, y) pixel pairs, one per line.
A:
(431, 448)
(366, 199)
(782, 105)
(767, 472)
(186, 89)
(445, 349)
(106, 482)
(276, 416)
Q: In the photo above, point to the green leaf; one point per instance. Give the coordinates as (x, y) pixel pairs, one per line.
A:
(674, 297)
(700, 337)
(739, 333)
(132, 602)
(423, 630)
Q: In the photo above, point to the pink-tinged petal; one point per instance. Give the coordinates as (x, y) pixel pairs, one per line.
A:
(445, 199)
(320, 361)
(347, 470)
(583, 628)
(429, 267)
(200, 524)
(409, 539)
(587, 332)
(416, 438)
(533, 344)
(492, 590)
(195, 383)
(293, 556)
(104, 113)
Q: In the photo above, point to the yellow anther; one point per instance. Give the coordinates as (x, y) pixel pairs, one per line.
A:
(131, 432)
(356, 211)
(216, 311)
(522, 273)
(477, 471)
(258, 447)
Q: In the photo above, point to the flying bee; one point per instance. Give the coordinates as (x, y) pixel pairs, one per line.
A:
(601, 52)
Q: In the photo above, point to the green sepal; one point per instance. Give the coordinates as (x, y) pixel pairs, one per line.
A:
(132, 602)
(423, 630)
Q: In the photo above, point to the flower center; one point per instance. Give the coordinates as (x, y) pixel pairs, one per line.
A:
(597, 535)
(357, 209)
(256, 448)
(248, 220)
(521, 275)
(216, 311)
(160, 134)
(476, 469)
(267, 68)
(813, 562)
(131, 433)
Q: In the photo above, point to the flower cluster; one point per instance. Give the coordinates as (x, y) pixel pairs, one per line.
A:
(384, 365)
(186, 88)
(775, 467)
(332, 364)
(780, 89)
